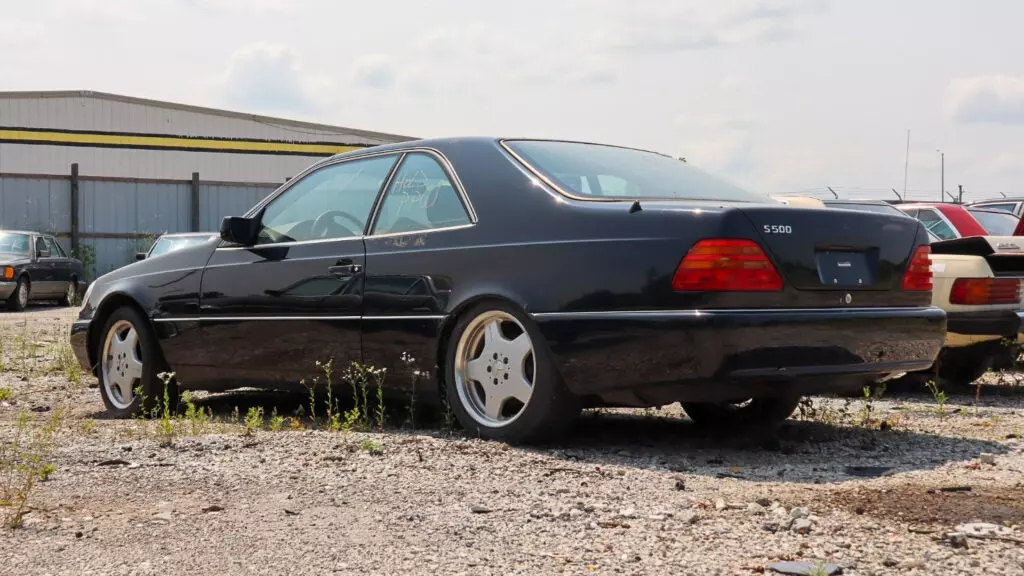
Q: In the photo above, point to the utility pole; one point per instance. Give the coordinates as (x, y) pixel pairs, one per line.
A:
(942, 181)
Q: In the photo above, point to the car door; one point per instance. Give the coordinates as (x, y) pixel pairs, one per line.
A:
(423, 223)
(42, 271)
(61, 265)
(270, 311)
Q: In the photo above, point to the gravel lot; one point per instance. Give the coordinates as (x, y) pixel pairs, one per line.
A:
(631, 492)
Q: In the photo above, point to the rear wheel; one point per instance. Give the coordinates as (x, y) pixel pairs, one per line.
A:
(501, 381)
(70, 295)
(756, 414)
(129, 366)
(18, 301)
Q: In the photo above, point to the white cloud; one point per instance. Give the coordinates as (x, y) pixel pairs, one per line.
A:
(268, 78)
(997, 99)
(374, 71)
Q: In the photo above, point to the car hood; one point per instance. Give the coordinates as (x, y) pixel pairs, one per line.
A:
(12, 259)
(182, 259)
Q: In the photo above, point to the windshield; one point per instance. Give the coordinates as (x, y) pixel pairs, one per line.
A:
(996, 223)
(14, 244)
(879, 208)
(165, 244)
(594, 171)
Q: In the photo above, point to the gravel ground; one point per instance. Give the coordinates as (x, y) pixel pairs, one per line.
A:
(630, 492)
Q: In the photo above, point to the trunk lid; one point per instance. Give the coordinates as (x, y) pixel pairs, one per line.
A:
(831, 249)
(1004, 254)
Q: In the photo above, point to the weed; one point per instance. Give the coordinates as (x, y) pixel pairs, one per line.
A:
(66, 362)
(379, 413)
(869, 396)
(413, 380)
(24, 463)
(312, 397)
(236, 416)
(823, 411)
(88, 426)
(295, 424)
(940, 397)
(253, 420)
(359, 377)
(198, 417)
(166, 425)
(6, 394)
(371, 447)
(276, 421)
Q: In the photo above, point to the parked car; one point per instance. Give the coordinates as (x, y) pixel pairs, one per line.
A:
(948, 221)
(1012, 205)
(34, 266)
(562, 275)
(175, 241)
(977, 281)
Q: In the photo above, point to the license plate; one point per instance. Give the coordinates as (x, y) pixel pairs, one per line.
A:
(846, 269)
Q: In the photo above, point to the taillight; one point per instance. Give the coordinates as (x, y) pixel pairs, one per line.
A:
(974, 291)
(726, 265)
(919, 272)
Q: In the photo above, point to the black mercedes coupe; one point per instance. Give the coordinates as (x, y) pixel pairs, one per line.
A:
(529, 278)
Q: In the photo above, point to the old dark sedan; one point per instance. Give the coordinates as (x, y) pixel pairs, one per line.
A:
(34, 266)
(528, 278)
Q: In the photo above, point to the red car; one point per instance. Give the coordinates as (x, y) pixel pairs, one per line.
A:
(949, 221)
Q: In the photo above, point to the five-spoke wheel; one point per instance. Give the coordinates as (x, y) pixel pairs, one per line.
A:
(500, 378)
(129, 366)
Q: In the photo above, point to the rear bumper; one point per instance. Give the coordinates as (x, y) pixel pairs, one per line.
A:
(598, 352)
(79, 339)
(971, 327)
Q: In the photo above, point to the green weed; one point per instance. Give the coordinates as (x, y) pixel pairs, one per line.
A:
(24, 462)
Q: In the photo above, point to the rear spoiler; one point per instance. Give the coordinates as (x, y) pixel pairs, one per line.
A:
(1004, 254)
(980, 245)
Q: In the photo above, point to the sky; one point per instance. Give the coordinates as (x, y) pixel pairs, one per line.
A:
(783, 96)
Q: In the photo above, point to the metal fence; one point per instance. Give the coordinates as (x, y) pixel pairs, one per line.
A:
(105, 221)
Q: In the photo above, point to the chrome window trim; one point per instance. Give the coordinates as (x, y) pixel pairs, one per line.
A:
(446, 165)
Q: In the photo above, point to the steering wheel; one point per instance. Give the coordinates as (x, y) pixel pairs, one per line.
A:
(325, 221)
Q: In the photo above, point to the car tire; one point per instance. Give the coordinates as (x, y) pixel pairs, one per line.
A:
(70, 294)
(18, 299)
(130, 363)
(758, 414)
(486, 356)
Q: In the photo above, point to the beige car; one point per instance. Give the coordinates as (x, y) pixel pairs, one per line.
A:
(977, 281)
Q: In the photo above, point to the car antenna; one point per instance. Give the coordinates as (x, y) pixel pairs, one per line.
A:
(635, 207)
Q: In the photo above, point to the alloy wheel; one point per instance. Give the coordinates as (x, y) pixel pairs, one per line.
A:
(122, 364)
(495, 369)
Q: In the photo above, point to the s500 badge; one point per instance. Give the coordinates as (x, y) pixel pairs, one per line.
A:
(777, 229)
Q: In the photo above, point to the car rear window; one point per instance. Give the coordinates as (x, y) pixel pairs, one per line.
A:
(600, 172)
(996, 223)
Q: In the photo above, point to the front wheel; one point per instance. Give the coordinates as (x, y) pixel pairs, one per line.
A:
(129, 366)
(501, 381)
(758, 414)
(18, 301)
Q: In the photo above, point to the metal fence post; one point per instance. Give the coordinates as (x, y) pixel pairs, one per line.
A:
(74, 207)
(195, 202)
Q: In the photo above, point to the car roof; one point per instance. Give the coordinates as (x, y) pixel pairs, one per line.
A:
(457, 140)
(860, 201)
(25, 232)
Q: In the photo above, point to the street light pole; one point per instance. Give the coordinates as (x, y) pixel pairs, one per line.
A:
(942, 181)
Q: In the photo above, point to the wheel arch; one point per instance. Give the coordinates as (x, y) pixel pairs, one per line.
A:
(107, 307)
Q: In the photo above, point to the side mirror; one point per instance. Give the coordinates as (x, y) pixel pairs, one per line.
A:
(239, 230)
(140, 255)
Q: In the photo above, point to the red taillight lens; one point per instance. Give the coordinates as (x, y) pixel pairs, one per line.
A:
(974, 291)
(919, 272)
(726, 265)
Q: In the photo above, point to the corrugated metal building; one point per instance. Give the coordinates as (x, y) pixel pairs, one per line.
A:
(110, 172)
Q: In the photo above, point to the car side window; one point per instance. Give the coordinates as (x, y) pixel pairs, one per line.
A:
(332, 202)
(936, 225)
(41, 248)
(420, 197)
(53, 247)
(1005, 207)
